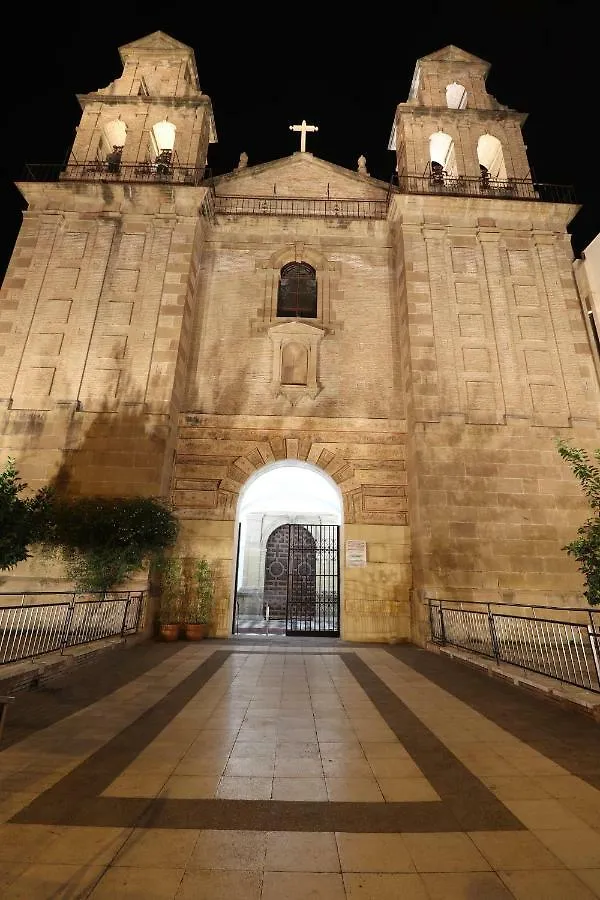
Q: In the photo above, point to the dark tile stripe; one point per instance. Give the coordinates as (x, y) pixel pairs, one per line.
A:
(468, 798)
(75, 689)
(565, 736)
(253, 815)
(92, 776)
(75, 799)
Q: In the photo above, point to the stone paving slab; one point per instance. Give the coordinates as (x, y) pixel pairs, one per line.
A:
(297, 768)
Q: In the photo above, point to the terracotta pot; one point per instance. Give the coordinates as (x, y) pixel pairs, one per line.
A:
(196, 631)
(169, 632)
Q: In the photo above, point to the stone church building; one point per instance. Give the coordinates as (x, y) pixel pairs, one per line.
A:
(419, 344)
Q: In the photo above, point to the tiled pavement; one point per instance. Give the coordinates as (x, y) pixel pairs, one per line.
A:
(288, 769)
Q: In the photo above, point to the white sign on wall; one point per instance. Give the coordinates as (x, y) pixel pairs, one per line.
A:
(356, 554)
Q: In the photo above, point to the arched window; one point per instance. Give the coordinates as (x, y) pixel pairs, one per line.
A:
(491, 159)
(112, 142)
(162, 142)
(297, 293)
(456, 96)
(442, 157)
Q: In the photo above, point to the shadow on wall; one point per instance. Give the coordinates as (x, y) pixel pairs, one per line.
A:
(117, 450)
(225, 384)
(120, 449)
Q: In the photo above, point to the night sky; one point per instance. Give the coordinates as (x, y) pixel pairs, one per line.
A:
(344, 74)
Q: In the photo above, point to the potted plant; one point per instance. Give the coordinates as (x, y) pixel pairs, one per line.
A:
(200, 603)
(171, 598)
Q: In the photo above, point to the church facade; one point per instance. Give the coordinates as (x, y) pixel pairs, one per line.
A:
(421, 344)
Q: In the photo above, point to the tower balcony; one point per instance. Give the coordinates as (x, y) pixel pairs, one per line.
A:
(483, 186)
(155, 172)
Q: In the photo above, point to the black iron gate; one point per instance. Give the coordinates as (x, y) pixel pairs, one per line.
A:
(313, 585)
(301, 594)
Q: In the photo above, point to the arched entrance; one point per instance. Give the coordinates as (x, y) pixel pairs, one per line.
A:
(287, 570)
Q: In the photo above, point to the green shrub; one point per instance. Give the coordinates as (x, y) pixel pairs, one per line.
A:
(104, 541)
(586, 546)
(23, 522)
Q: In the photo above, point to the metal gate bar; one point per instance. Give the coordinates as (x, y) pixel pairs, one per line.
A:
(313, 595)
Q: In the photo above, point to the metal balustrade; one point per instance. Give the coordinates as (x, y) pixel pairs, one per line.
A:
(490, 188)
(124, 173)
(560, 642)
(301, 206)
(36, 627)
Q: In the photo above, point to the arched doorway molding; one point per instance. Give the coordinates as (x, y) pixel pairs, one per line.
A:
(282, 494)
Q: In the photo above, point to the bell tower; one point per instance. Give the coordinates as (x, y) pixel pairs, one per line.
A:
(451, 128)
(494, 350)
(97, 318)
(153, 115)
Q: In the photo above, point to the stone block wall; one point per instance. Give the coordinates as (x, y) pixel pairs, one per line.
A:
(500, 366)
(96, 314)
(356, 365)
(494, 321)
(494, 507)
(376, 598)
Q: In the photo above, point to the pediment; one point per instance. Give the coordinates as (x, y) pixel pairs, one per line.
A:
(453, 54)
(300, 175)
(155, 43)
(296, 329)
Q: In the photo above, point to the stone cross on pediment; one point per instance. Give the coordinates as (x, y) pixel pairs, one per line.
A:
(303, 128)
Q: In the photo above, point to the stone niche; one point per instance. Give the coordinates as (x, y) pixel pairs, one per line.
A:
(295, 360)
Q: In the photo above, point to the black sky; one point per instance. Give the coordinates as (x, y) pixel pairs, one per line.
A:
(344, 68)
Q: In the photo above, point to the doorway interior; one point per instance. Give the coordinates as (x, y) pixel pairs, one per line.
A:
(287, 574)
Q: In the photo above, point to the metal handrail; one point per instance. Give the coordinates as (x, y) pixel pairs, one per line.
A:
(327, 207)
(34, 629)
(565, 646)
(473, 186)
(127, 173)
(511, 605)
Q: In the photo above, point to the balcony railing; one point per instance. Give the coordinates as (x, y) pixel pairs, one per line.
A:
(559, 642)
(123, 173)
(301, 206)
(490, 188)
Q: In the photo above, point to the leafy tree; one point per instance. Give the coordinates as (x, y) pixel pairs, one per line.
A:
(22, 521)
(586, 546)
(103, 541)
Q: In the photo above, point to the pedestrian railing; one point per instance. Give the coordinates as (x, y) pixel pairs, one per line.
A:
(560, 642)
(37, 623)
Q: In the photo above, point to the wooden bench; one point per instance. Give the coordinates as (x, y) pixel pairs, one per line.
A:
(4, 701)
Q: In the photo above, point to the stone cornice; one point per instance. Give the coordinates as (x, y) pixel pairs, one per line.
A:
(94, 198)
(469, 114)
(115, 99)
